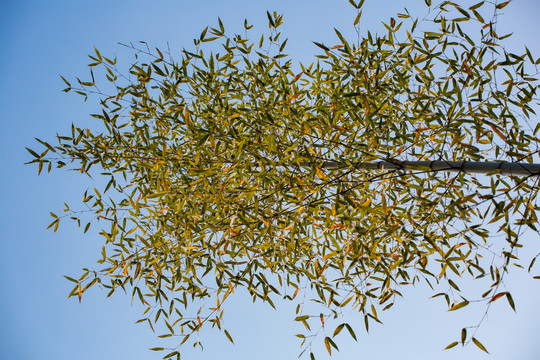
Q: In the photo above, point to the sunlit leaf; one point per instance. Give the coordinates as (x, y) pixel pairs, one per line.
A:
(479, 344)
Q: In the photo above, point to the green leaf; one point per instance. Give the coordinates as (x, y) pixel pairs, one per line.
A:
(479, 344)
(33, 153)
(357, 19)
(270, 20)
(453, 284)
(221, 27)
(155, 195)
(228, 336)
(321, 46)
(171, 354)
(67, 83)
(70, 279)
(477, 5)
(340, 36)
(338, 329)
(366, 323)
(351, 332)
(510, 301)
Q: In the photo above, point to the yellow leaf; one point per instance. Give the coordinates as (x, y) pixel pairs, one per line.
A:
(497, 296)
(498, 132)
(367, 202)
(443, 270)
(160, 54)
(327, 343)
(467, 69)
(502, 5)
(297, 77)
(329, 255)
(459, 306)
(301, 182)
(186, 115)
(294, 96)
(137, 269)
(320, 173)
(366, 104)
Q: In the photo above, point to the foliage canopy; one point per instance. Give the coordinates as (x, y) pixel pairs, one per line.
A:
(215, 182)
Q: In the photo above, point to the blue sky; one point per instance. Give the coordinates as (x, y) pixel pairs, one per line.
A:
(42, 40)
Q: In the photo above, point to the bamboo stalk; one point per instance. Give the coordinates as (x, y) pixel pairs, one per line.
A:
(468, 167)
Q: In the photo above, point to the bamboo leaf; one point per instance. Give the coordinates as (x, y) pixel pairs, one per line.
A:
(338, 329)
(510, 301)
(357, 19)
(479, 344)
(459, 305)
(327, 344)
(498, 295)
(503, 4)
(228, 336)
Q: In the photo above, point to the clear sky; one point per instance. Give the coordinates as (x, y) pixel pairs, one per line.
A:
(43, 39)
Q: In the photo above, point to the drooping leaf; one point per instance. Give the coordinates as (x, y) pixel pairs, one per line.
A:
(479, 344)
